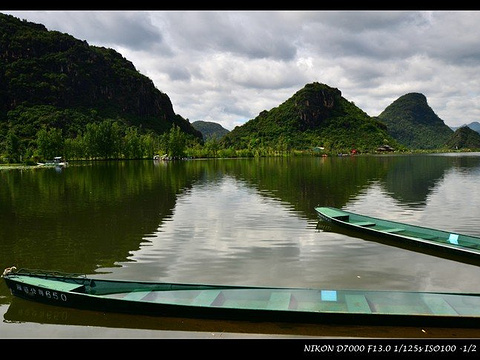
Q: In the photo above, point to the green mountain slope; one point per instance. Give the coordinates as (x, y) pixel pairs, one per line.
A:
(464, 138)
(210, 129)
(412, 122)
(48, 78)
(316, 115)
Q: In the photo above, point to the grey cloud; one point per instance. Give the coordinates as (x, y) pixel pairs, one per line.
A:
(245, 34)
(178, 73)
(130, 29)
(370, 35)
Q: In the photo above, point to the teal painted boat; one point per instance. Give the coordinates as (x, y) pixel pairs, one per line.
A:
(299, 305)
(459, 245)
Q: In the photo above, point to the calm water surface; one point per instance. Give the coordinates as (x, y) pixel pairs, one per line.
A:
(242, 221)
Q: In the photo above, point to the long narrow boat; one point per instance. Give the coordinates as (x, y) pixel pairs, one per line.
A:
(299, 305)
(447, 242)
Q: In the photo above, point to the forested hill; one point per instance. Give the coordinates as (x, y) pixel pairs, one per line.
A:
(48, 78)
(412, 122)
(210, 129)
(315, 116)
(464, 138)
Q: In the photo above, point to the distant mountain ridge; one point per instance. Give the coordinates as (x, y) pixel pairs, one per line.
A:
(475, 126)
(210, 129)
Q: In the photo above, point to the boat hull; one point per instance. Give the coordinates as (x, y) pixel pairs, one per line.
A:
(250, 303)
(458, 245)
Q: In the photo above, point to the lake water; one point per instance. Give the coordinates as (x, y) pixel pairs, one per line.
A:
(238, 221)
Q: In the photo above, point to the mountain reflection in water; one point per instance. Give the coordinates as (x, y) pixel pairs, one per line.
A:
(240, 221)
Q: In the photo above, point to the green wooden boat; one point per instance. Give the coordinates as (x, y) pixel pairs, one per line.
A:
(440, 240)
(299, 305)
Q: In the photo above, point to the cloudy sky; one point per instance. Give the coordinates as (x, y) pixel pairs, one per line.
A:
(228, 66)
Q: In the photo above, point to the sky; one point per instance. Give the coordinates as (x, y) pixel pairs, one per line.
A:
(228, 66)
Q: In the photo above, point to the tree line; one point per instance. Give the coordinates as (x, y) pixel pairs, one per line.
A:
(111, 140)
(104, 140)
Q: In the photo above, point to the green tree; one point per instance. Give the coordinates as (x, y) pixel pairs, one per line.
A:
(50, 142)
(103, 140)
(176, 143)
(75, 148)
(150, 144)
(133, 146)
(212, 145)
(13, 147)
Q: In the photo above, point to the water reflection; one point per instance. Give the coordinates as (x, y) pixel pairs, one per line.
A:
(219, 220)
(242, 221)
(444, 193)
(226, 231)
(410, 179)
(82, 217)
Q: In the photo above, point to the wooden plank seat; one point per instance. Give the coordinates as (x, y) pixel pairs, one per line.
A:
(363, 223)
(357, 304)
(206, 297)
(439, 306)
(136, 295)
(279, 300)
(337, 214)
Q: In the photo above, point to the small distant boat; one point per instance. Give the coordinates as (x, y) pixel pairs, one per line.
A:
(164, 157)
(403, 233)
(298, 305)
(57, 161)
